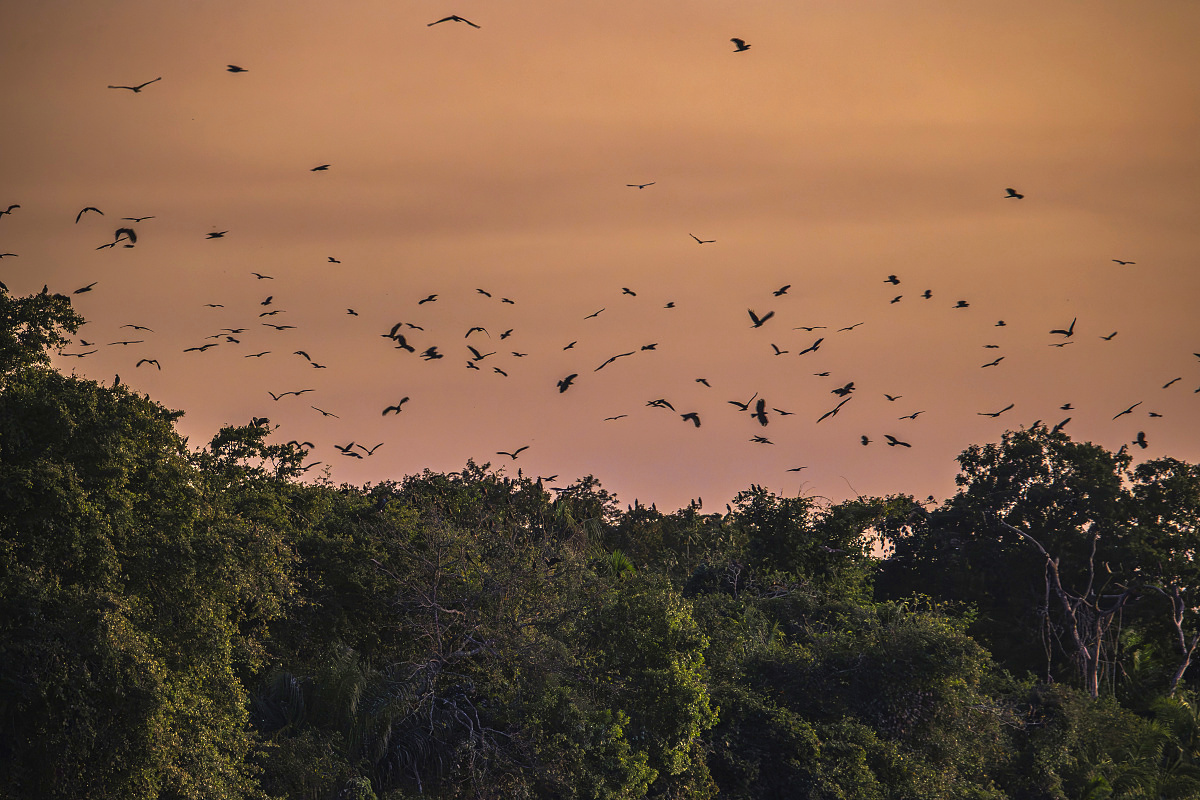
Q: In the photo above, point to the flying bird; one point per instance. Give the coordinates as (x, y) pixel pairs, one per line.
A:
(692, 417)
(701, 241)
(1168, 383)
(962, 304)
(395, 408)
(1013, 194)
(740, 45)
(757, 320)
(589, 316)
(1109, 338)
(761, 440)
(849, 327)
(993, 363)
(370, 451)
(87, 288)
(893, 441)
(9, 210)
(452, 18)
(1070, 331)
(866, 440)
(1128, 410)
(79, 216)
(432, 298)
(1140, 441)
(641, 185)
(137, 88)
(812, 348)
(834, 411)
(611, 360)
(321, 168)
(891, 279)
(781, 291)
(760, 412)
(325, 413)
(149, 361)
(913, 415)
(236, 68)
(1123, 263)
(995, 413)
(513, 454)
(136, 219)
(566, 382)
(216, 235)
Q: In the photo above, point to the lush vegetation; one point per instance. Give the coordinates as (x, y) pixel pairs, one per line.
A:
(181, 623)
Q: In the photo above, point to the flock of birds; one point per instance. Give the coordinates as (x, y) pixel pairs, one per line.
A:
(480, 349)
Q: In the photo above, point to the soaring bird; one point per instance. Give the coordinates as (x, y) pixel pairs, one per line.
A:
(513, 454)
(1123, 263)
(757, 320)
(137, 88)
(993, 363)
(995, 413)
(913, 415)
(692, 417)
(1069, 332)
(1109, 338)
(628, 291)
(590, 316)
(891, 279)
(701, 241)
(153, 361)
(1173, 380)
(87, 288)
(1013, 194)
(325, 413)
(236, 68)
(79, 216)
(566, 382)
(740, 45)
(834, 411)
(893, 441)
(452, 18)
(9, 210)
(1057, 428)
(849, 327)
(136, 219)
(761, 440)
(320, 168)
(1129, 410)
(782, 290)
(812, 348)
(432, 298)
(1140, 441)
(760, 412)
(641, 185)
(216, 235)
(843, 391)
(612, 359)
(962, 304)
(866, 440)
(369, 451)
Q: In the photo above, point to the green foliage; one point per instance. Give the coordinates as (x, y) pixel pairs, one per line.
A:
(184, 623)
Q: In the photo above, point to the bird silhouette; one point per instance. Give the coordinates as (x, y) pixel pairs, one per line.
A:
(1012, 193)
(325, 413)
(149, 361)
(913, 415)
(849, 327)
(891, 279)
(692, 417)
(590, 316)
(866, 440)
(1070, 330)
(137, 88)
(892, 397)
(1174, 380)
(641, 185)
(1128, 410)
(9, 210)
(513, 455)
(760, 412)
(369, 451)
(995, 413)
(321, 168)
(1123, 263)
(452, 18)
(761, 440)
(1109, 338)
(757, 320)
(215, 235)
(893, 441)
(566, 382)
(701, 241)
(1140, 441)
(896, 299)
(660, 403)
(962, 304)
(740, 45)
(834, 411)
(778, 352)
(136, 219)
(993, 363)
(812, 348)
(84, 289)
(628, 291)
(79, 216)
(1058, 428)
(236, 68)
(781, 291)
(430, 299)
(612, 359)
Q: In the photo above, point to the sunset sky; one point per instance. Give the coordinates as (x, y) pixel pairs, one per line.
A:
(851, 142)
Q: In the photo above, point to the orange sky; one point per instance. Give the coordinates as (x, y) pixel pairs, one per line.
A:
(851, 142)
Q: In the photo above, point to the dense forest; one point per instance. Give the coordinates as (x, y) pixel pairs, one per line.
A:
(183, 622)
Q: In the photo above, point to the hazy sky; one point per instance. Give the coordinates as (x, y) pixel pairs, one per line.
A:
(851, 142)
